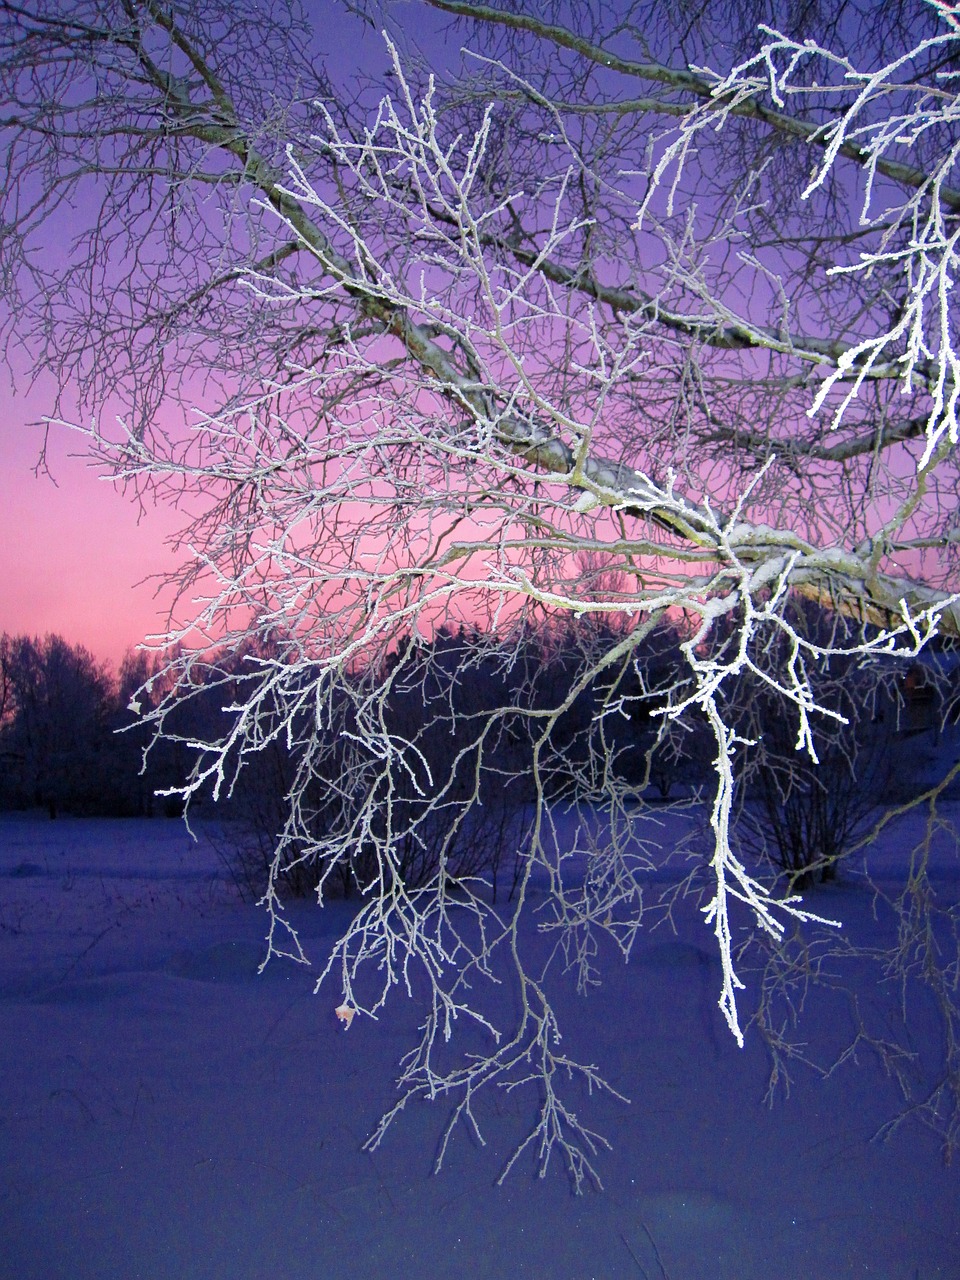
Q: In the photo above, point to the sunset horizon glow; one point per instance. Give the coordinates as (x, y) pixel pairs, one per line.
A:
(77, 557)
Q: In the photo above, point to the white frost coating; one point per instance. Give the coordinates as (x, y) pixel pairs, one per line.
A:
(530, 394)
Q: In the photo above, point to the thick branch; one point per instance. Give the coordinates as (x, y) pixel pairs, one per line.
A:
(835, 576)
(869, 442)
(687, 81)
(739, 335)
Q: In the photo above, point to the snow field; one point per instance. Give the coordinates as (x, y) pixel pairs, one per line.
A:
(165, 1112)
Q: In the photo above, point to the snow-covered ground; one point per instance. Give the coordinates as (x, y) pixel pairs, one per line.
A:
(165, 1112)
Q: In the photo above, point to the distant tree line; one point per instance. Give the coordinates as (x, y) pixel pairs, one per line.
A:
(60, 709)
(468, 711)
(72, 741)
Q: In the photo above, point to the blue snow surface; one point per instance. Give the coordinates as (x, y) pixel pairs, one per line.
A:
(169, 1114)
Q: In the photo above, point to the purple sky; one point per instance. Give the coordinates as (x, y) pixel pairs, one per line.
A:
(72, 553)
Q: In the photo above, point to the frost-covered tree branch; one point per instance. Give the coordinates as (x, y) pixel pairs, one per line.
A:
(487, 402)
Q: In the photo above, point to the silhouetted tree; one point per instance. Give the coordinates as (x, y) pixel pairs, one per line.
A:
(57, 735)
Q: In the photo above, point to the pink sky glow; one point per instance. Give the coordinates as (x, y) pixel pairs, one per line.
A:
(72, 552)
